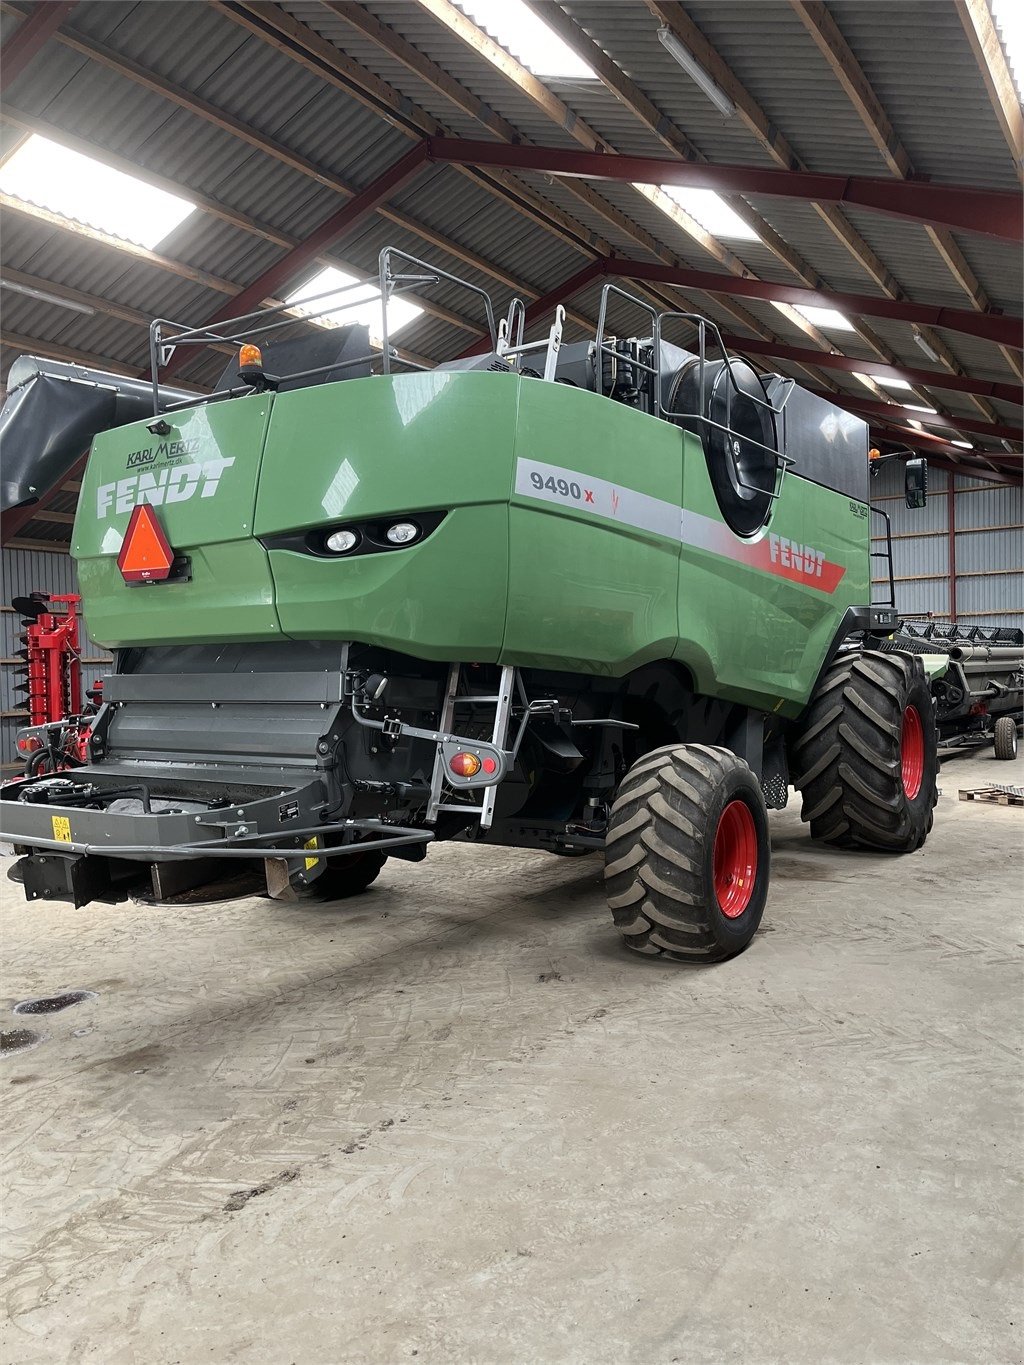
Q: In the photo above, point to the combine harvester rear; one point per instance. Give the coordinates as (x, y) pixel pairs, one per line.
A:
(610, 595)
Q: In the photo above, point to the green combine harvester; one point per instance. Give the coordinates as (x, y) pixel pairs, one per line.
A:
(611, 595)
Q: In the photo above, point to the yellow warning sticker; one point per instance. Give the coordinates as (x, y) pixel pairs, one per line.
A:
(310, 843)
(61, 828)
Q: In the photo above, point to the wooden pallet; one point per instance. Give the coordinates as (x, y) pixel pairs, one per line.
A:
(1003, 794)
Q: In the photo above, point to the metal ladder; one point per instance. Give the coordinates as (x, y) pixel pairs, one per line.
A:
(502, 703)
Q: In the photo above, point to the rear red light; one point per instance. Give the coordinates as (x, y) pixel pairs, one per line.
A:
(28, 744)
(464, 764)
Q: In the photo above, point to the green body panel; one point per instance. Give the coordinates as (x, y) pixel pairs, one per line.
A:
(754, 632)
(202, 478)
(580, 535)
(385, 446)
(586, 594)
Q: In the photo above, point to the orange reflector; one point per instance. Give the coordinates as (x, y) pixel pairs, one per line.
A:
(146, 555)
(464, 765)
(874, 453)
(249, 355)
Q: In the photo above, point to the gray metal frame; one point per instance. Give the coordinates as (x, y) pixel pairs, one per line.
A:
(658, 318)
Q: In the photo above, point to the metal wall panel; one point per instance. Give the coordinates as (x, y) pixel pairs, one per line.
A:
(26, 571)
(989, 548)
(999, 598)
(988, 552)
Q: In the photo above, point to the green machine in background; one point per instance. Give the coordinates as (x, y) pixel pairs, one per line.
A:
(609, 595)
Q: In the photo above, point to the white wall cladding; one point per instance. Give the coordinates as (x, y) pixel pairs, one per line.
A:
(989, 548)
(24, 572)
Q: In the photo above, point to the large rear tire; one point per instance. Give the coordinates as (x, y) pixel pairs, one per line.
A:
(687, 854)
(866, 760)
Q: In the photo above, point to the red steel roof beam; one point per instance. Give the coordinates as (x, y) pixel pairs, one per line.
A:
(995, 327)
(32, 34)
(895, 412)
(996, 213)
(935, 379)
(288, 267)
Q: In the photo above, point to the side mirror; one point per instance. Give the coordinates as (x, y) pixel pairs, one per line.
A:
(915, 483)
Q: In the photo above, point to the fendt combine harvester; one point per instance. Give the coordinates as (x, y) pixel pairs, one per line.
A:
(610, 595)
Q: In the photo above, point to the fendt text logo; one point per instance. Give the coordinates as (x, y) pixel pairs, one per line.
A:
(176, 483)
(804, 559)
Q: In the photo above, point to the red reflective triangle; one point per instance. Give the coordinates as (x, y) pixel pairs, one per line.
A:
(146, 555)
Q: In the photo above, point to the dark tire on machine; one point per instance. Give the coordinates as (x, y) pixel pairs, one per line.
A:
(347, 876)
(1004, 737)
(687, 855)
(865, 760)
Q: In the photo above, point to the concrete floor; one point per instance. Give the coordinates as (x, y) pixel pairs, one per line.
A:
(456, 1120)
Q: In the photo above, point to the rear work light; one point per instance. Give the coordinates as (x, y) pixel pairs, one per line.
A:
(402, 533)
(342, 541)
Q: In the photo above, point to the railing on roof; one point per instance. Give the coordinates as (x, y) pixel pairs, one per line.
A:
(165, 335)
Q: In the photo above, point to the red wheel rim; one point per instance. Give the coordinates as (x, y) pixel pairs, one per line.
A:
(912, 752)
(735, 859)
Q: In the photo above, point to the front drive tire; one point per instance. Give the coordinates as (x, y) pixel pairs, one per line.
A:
(687, 854)
(865, 759)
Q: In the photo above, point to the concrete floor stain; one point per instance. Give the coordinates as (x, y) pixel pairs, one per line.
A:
(52, 1004)
(240, 1198)
(18, 1040)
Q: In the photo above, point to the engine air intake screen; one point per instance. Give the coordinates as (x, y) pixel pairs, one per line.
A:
(740, 436)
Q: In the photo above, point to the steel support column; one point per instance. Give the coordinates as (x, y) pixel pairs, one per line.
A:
(951, 531)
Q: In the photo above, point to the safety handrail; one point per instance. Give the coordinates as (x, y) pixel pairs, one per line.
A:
(387, 282)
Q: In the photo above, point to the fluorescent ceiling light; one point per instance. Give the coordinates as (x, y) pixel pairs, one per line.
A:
(821, 317)
(925, 346)
(83, 190)
(917, 407)
(355, 305)
(711, 211)
(44, 297)
(915, 423)
(528, 38)
(1009, 19)
(964, 445)
(696, 72)
(894, 383)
